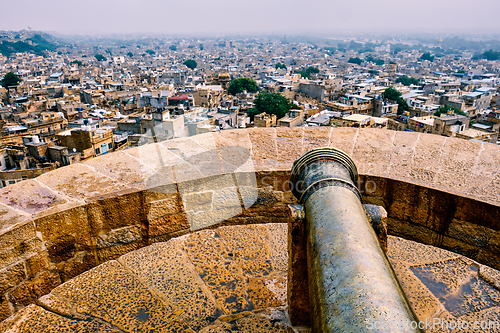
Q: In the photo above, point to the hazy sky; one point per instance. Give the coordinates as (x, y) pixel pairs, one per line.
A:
(251, 16)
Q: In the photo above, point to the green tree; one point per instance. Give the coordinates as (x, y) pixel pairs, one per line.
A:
(379, 62)
(307, 72)
(280, 66)
(491, 55)
(444, 109)
(394, 95)
(190, 63)
(78, 62)
(427, 56)
(173, 47)
(201, 47)
(10, 79)
(356, 61)
(130, 54)
(271, 103)
(241, 84)
(150, 52)
(407, 80)
(100, 57)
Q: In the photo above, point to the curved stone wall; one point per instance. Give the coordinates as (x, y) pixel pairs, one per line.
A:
(437, 190)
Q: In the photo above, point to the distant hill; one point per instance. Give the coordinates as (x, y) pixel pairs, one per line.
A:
(37, 44)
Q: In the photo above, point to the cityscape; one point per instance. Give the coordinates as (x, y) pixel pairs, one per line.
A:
(64, 103)
(217, 167)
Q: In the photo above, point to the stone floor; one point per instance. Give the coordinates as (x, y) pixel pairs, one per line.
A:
(234, 279)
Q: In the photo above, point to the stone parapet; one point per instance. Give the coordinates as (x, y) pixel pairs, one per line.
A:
(436, 190)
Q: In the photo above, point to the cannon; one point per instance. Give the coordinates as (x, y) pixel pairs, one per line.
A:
(352, 286)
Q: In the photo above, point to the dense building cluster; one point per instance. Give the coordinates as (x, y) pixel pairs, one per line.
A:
(63, 102)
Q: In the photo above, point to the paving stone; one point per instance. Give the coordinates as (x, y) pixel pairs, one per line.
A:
(111, 293)
(219, 269)
(175, 278)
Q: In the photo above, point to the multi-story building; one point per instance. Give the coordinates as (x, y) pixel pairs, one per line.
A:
(264, 120)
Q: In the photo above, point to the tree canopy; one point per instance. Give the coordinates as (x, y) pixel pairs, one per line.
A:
(394, 95)
(491, 55)
(280, 66)
(100, 57)
(444, 109)
(379, 62)
(271, 103)
(150, 52)
(307, 72)
(356, 61)
(407, 80)
(190, 63)
(10, 79)
(130, 54)
(427, 56)
(241, 84)
(173, 47)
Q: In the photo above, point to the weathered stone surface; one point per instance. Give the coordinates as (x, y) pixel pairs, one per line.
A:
(217, 266)
(30, 290)
(205, 158)
(114, 252)
(269, 320)
(117, 211)
(11, 276)
(168, 224)
(198, 202)
(416, 211)
(264, 148)
(20, 251)
(153, 157)
(175, 278)
(485, 176)
(402, 153)
(250, 247)
(72, 222)
(37, 263)
(30, 196)
(79, 182)
(454, 168)
(81, 262)
(290, 146)
(61, 248)
(10, 217)
(115, 237)
(211, 218)
(120, 166)
(460, 247)
(5, 311)
(36, 319)
(344, 138)
(226, 198)
(372, 151)
(17, 235)
(111, 293)
(278, 253)
(167, 206)
(206, 184)
(315, 137)
(267, 292)
(470, 233)
(401, 251)
(426, 159)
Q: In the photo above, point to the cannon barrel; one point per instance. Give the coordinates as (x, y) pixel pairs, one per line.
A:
(352, 286)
